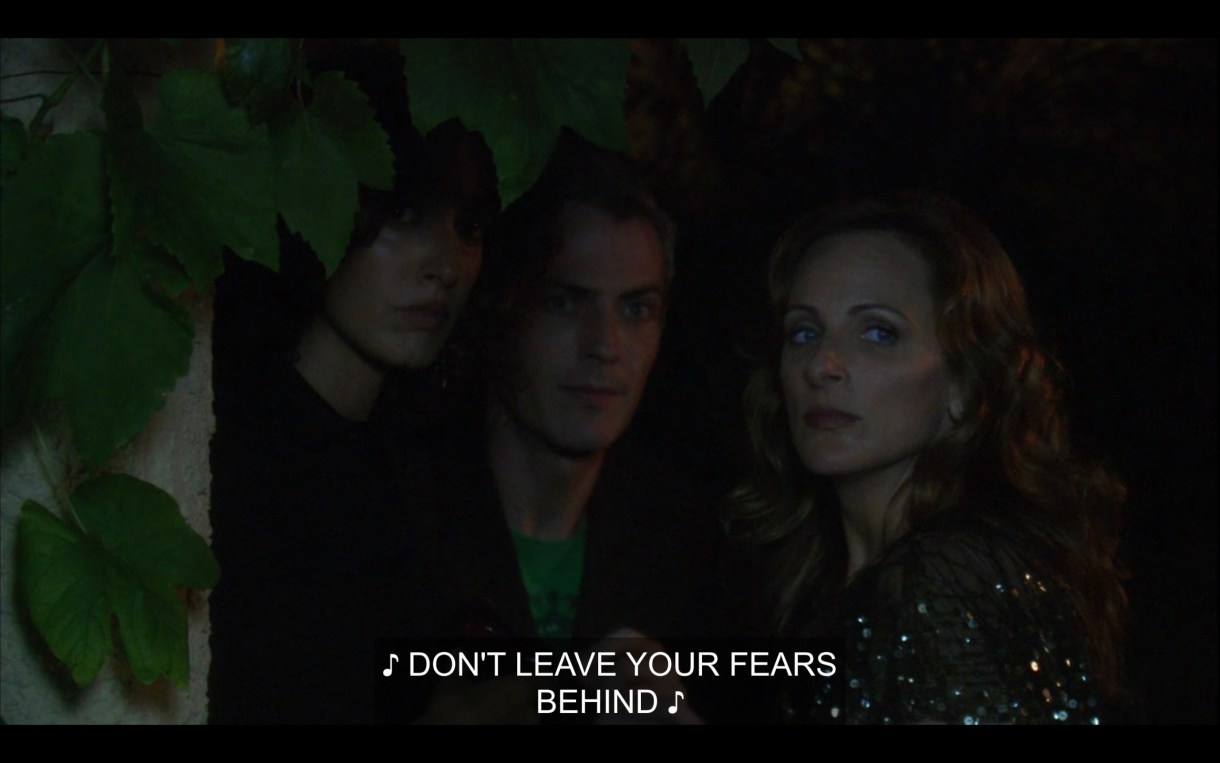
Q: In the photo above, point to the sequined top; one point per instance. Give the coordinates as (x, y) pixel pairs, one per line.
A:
(964, 624)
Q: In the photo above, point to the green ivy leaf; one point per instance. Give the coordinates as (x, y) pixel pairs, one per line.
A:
(79, 324)
(57, 574)
(714, 60)
(13, 142)
(788, 45)
(258, 72)
(197, 181)
(53, 221)
(161, 271)
(344, 112)
(119, 103)
(519, 93)
(113, 349)
(320, 154)
(131, 549)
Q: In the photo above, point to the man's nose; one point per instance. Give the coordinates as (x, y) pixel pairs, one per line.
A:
(601, 335)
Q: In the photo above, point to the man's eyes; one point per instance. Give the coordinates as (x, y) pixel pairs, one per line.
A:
(559, 303)
(631, 310)
(641, 310)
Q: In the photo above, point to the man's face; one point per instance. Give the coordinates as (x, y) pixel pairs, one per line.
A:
(592, 334)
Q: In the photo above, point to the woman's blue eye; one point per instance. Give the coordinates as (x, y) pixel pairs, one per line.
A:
(880, 334)
(804, 335)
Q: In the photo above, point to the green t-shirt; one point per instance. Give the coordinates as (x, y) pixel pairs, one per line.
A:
(552, 570)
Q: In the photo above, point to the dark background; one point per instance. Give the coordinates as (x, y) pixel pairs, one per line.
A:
(1094, 161)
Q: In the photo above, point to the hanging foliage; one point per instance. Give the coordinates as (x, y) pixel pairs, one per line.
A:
(320, 154)
(196, 181)
(714, 60)
(82, 323)
(101, 230)
(518, 94)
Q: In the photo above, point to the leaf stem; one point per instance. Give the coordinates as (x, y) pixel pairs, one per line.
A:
(54, 98)
(35, 72)
(59, 494)
(82, 66)
(23, 98)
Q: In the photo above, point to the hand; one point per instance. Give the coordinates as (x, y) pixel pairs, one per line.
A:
(503, 700)
(635, 673)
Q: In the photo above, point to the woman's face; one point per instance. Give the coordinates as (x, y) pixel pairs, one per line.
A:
(865, 381)
(396, 299)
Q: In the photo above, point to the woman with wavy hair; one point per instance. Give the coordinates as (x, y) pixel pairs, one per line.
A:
(914, 478)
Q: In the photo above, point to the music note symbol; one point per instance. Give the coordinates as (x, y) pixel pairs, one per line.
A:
(677, 696)
(389, 670)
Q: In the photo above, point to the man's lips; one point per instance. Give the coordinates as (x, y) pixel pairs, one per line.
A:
(829, 418)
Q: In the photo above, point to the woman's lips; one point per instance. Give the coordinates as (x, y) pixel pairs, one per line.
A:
(594, 394)
(430, 316)
(829, 418)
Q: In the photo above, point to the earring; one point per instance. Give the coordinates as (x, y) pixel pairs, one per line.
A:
(441, 369)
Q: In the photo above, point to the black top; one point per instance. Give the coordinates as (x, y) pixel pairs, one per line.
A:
(965, 622)
(312, 529)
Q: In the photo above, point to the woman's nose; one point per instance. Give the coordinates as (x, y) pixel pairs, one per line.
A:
(825, 367)
(442, 263)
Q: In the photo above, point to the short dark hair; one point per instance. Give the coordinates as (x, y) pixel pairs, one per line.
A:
(449, 167)
(527, 236)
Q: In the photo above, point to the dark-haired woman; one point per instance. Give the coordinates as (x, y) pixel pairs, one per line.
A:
(316, 492)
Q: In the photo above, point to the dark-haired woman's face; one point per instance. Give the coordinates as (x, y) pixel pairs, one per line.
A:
(865, 381)
(397, 299)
